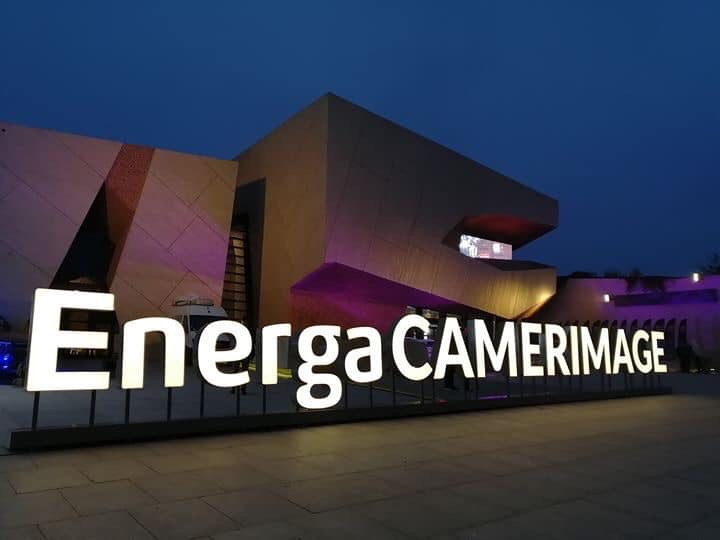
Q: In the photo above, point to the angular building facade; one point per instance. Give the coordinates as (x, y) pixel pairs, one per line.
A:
(337, 216)
(75, 212)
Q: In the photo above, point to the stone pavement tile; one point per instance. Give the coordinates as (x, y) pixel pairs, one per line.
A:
(5, 488)
(517, 492)
(652, 501)
(29, 532)
(176, 486)
(582, 519)
(220, 457)
(345, 524)
(428, 475)
(63, 458)
(706, 529)
(109, 526)
(509, 529)
(279, 447)
(275, 530)
(289, 470)
(556, 482)
(459, 446)
(324, 526)
(337, 463)
(574, 519)
(182, 520)
(15, 462)
(692, 487)
(121, 451)
(220, 441)
(46, 478)
(497, 464)
(607, 466)
(558, 452)
(172, 462)
(321, 494)
(114, 469)
(33, 508)
(253, 506)
(164, 447)
(647, 463)
(432, 513)
(106, 497)
(234, 477)
(706, 473)
(391, 456)
(694, 452)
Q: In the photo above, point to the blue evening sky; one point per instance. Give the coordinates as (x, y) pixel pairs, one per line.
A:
(612, 107)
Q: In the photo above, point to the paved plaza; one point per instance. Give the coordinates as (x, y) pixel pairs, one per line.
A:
(632, 468)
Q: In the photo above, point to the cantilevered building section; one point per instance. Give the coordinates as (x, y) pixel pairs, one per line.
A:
(363, 218)
(338, 216)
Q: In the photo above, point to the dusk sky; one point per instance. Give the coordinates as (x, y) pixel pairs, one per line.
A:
(612, 107)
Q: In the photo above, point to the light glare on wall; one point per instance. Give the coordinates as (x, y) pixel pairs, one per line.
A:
(606, 298)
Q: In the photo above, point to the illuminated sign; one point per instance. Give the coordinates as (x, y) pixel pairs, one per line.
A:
(528, 349)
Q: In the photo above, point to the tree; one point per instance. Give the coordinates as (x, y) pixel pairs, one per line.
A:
(582, 274)
(632, 280)
(711, 267)
(637, 280)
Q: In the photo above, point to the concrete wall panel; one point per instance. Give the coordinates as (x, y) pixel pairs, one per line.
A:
(185, 174)
(47, 184)
(189, 285)
(178, 241)
(18, 278)
(292, 161)
(130, 304)
(226, 170)
(36, 229)
(99, 154)
(214, 207)
(203, 252)
(50, 168)
(148, 267)
(8, 181)
(162, 212)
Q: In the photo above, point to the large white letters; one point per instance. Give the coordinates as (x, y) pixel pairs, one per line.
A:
(642, 358)
(407, 370)
(269, 351)
(46, 338)
(451, 333)
(555, 347)
(573, 350)
(506, 350)
(597, 356)
(372, 351)
(657, 351)
(208, 357)
(329, 334)
(133, 357)
(529, 349)
(621, 354)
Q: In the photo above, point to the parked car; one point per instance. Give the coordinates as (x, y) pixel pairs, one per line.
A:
(13, 350)
(194, 314)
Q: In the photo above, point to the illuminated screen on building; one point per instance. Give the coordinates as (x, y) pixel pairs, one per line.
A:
(480, 248)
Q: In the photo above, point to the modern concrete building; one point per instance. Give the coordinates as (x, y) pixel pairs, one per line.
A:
(685, 309)
(336, 216)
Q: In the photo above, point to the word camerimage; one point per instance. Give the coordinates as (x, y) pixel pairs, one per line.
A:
(525, 349)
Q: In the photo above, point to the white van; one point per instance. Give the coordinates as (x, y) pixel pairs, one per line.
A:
(194, 314)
